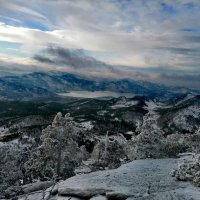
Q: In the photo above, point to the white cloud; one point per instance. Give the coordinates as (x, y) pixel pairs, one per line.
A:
(137, 34)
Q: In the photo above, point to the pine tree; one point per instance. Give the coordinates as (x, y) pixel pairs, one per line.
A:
(59, 152)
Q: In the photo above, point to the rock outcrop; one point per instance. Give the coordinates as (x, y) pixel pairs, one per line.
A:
(188, 169)
(138, 180)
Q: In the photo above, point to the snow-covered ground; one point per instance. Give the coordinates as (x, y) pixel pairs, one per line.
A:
(30, 121)
(181, 119)
(87, 125)
(3, 130)
(102, 112)
(152, 106)
(138, 180)
(124, 105)
(141, 179)
(189, 96)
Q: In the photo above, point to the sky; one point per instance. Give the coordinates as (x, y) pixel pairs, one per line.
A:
(153, 40)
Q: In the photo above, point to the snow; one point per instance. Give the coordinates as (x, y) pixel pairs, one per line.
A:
(189, 96)
(151, 105)
(87, 125)
(116, 119)
(85, 102)
(3, 130)
(102, 112)
(30, 121)
(132, 180)
(124, 104)
(82, 170)
(181, 118)
(35, 196)
(99, 197)
(129, 133)
(95, 94)
(112, 114)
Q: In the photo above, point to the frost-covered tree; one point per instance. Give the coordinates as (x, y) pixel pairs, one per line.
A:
(188, 170)
(197, 131)
(59, 152)
(150, 142)
(10, 170)
(110, 151)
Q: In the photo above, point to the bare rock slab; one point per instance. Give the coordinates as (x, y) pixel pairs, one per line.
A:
(141, 179)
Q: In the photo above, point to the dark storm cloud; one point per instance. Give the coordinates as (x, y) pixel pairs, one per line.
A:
(78, 60)
(43, 59)
(75, 58)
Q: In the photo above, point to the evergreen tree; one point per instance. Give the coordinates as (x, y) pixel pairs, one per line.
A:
(59, 152)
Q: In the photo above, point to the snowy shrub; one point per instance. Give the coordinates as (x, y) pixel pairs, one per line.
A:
(188, 170)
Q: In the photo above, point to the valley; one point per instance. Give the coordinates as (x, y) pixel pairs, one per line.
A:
(140, 127)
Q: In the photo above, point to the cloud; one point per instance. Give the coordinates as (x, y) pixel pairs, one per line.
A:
(111, 34)
(43, 59)
(179, 80)
(194, 38)
(20, 7)
(78, 61)
(179, 50)
(75, 58)
(75, 61)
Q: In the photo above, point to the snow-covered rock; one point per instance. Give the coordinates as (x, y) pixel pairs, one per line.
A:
(32, 187)
(188, 169)
(99, 197)
(83, 169)
(133, 180)
(138, 180)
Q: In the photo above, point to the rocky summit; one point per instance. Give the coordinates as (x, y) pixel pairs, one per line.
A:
(137, 180)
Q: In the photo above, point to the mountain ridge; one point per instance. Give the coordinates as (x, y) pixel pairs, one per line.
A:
(41, 84)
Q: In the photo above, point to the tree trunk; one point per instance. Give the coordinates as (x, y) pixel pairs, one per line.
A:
(59, 163)
(106, 147)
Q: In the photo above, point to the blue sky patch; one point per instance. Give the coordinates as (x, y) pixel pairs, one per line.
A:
(11, 49)
(168, 8)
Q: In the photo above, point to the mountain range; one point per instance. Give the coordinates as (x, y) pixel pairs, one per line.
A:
(48, 85)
